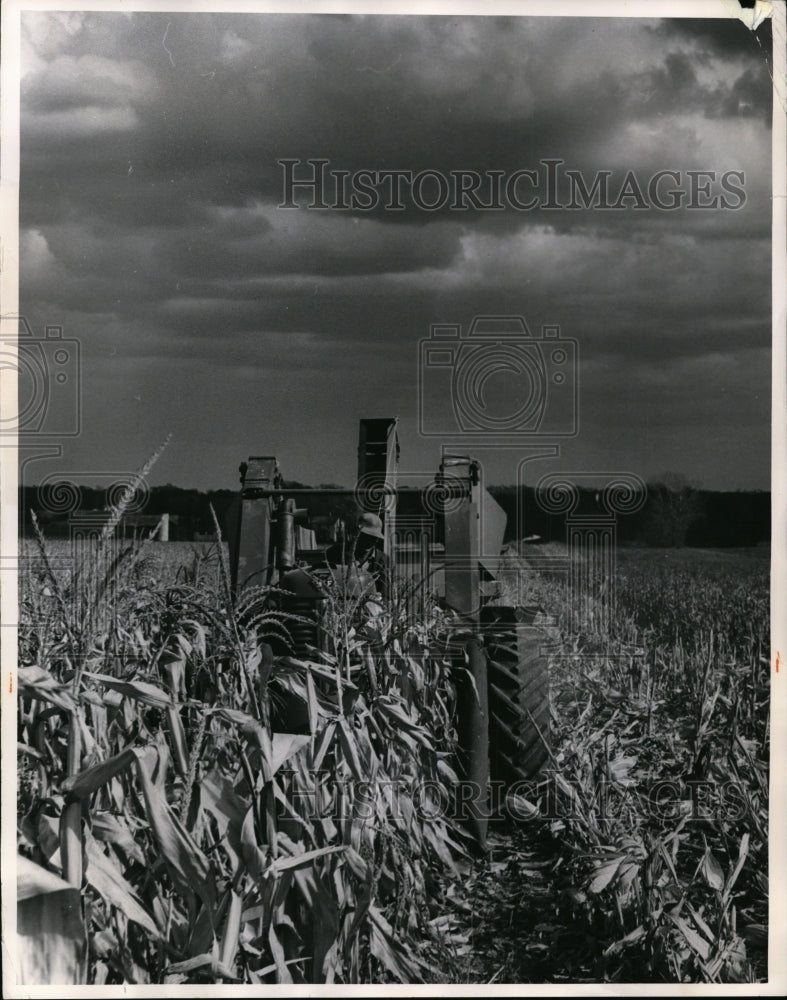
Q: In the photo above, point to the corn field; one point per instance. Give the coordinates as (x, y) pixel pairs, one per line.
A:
(193, 808)
(643, 855)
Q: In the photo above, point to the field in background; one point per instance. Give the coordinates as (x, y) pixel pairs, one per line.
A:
(641, 856)
(657, 801)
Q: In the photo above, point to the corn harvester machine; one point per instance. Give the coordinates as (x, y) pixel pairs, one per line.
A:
(444, 538)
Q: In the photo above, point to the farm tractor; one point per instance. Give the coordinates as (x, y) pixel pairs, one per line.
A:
(443, 537)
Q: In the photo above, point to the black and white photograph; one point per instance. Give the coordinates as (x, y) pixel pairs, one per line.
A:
(393, 525)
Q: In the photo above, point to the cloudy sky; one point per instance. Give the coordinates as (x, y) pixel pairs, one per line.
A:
(150, 229)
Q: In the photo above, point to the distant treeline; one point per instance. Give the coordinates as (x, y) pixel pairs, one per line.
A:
(669, 516)
(673, 513)
(191, 507)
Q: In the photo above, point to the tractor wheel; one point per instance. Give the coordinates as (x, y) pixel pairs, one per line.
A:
(518, 689)
(472, 804)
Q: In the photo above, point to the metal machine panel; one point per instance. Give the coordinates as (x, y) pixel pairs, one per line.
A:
(251, 542)
(254, 549)
(493, 529)
(462, 592)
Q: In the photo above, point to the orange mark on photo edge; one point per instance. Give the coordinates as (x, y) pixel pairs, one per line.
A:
(777, 661)
(11, 683)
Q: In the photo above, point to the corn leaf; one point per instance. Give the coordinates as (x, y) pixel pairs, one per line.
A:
(712, 872)
(147, 693)
(35, 682)
(50, 943)
(111, 829)
(301, 860)
(92, 778)
(254, 859)
(284, 746)
(389, 951)
(743, 853)
(110, 883)
(697, 943)
(190, 867)
(605, 873)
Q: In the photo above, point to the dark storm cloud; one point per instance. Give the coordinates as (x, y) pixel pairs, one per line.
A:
(716, 36)
(380, 93)
(150, 193)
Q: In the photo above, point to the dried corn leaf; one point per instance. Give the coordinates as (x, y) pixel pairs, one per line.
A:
(605, 873)
(697, 943)
(712, 872)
